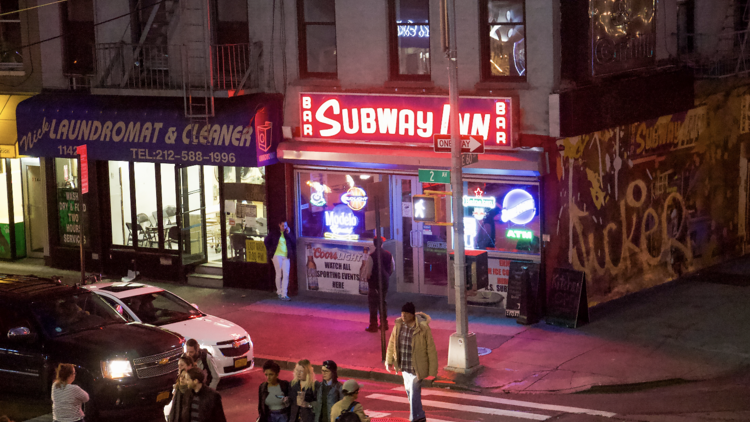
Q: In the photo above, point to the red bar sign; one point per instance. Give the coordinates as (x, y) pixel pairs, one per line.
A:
(84, 170)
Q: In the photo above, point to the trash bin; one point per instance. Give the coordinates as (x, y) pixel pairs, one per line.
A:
(476, 270)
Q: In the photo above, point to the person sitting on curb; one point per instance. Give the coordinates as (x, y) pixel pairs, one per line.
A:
(349, 403)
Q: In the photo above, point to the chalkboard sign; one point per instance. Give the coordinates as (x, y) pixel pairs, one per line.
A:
(567, 305)
(515, 285)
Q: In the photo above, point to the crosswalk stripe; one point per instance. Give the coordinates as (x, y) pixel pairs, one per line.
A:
(488, 399)
(463, 407)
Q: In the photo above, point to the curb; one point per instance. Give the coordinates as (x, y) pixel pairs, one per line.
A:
(367, 373)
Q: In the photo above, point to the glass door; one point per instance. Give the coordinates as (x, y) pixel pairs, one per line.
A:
(34, 196)
(422, 247)
(191, 216)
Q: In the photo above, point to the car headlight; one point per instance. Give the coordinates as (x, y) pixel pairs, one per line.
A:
(116, 369)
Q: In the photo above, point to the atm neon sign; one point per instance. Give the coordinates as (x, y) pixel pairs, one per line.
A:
(403, 119)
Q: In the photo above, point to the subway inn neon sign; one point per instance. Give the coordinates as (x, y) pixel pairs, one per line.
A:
(403, 119)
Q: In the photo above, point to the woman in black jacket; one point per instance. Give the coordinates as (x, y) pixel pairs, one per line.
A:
(302, 393)
(273, 395)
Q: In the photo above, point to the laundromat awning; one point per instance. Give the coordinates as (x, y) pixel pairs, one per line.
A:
(8, 133)
(528, 162)
(244, 131)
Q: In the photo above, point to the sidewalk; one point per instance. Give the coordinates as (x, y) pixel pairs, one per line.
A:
(688, 330)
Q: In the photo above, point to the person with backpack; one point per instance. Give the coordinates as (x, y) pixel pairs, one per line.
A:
(329, 391)
(349, 409)
(204, 361)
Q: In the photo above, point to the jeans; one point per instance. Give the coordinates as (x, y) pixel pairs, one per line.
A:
(278, 417)
(373, 300)
(413, 386)
(281, 266)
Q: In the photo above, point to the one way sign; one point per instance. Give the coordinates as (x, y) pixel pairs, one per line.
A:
(471, 144)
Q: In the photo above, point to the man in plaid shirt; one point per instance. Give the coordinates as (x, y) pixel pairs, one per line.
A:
(411, 350)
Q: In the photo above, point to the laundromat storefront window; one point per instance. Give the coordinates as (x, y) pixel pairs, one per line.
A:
(332, 205)
(502, 217)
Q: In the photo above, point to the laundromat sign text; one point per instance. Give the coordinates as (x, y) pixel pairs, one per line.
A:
(403, 119)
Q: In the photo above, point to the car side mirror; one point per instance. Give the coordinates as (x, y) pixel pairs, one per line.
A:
(20, 333)
(196, 306)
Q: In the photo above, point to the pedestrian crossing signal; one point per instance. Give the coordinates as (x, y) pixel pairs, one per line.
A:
(430, 209)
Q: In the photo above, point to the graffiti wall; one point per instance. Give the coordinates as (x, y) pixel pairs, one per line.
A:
(638, 205)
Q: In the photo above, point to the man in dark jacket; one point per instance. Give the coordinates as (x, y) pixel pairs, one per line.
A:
(205, 403)
(280, 250)
(373, 295)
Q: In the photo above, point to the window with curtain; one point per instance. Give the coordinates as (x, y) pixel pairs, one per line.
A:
(504, 40)
(317, 38)
(409, 39)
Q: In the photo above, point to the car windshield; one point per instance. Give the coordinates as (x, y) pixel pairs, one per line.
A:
(160, 308)
(74, 313)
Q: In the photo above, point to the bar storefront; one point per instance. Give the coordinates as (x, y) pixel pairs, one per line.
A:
(351, 143)
(166, 193)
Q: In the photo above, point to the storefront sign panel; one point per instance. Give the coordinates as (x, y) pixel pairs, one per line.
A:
(244, 132)
(338, 267)
(403, 119)
(69, 209)
(498, 270)
(623, 35)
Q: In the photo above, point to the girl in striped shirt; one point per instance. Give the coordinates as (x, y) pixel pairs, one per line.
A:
(67, 398)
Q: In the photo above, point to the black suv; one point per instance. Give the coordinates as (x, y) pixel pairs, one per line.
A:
(123, 366)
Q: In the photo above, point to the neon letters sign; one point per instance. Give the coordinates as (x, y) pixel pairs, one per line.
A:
(403, 119)
(413, 30)
(342, 221)
(476, 201)
(519, 234)
(518, 207)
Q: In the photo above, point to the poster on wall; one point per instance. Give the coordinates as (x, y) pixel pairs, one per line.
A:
(70, 217)
(336, 268)
(497, 290)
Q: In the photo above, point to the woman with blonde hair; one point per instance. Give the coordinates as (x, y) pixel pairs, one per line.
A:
(67, 398)
(302, 393)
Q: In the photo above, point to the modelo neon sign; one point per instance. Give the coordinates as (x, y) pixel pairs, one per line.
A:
(403, 119)
(342, 221)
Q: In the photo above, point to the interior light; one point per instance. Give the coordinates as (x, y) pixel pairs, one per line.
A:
(364, 176)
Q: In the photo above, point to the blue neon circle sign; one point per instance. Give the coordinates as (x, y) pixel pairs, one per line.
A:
(518, 207)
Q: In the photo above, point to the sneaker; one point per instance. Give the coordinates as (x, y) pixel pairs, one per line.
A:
(372, 329)
(286, 298)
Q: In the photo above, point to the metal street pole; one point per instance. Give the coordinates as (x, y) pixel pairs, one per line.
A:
(80, 221)
(462, 351)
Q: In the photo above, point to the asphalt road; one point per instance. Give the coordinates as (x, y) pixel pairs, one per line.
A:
(716, 400)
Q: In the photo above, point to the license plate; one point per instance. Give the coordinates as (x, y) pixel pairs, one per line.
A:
(164, 395)
(240, 362)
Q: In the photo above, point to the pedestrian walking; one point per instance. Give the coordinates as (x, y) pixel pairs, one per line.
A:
(204, 401)
(303, 393)
(204, 361)
(175, 410)
(67, 398)
(273, 395)
(280, 247)
(348, 409)
(411, 350)
(373, 294)
(329, 391)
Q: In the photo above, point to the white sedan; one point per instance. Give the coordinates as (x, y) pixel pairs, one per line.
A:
(229, 343)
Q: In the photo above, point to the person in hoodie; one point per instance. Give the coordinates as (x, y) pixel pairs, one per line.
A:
(411, 350)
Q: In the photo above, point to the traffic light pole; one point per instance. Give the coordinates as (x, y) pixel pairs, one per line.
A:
(462, 351)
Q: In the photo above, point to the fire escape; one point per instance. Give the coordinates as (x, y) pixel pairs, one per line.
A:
(721, 54)
(175, 56)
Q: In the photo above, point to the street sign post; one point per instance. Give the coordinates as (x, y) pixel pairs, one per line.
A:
(434, 176)
(469, 144)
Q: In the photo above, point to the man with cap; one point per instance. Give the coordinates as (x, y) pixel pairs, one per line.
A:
(351, 393)
(329, 392)
(411, 350)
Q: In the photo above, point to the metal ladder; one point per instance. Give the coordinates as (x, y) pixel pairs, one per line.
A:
(197, 84)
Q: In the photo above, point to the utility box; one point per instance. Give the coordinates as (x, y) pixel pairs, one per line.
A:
(476, 270)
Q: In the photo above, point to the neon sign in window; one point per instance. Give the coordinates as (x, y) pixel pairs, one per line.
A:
(355, 198)
(519, 234)
(410, 29)
(318, 197)
(341, 220)
(518, 207)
